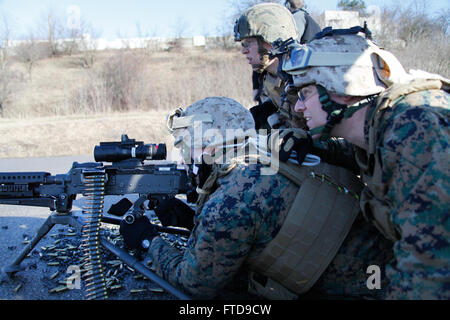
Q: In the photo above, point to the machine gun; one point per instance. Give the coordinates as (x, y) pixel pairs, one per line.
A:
(129, 173)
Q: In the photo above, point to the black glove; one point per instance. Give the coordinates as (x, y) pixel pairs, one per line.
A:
(174, 212)
(134, 234)
(261, 112)
(287, 140)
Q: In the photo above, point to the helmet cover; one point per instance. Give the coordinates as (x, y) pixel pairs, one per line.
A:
(270, 21)
(343, 64)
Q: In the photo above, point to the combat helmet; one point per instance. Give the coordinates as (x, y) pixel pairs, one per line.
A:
(345, 64)
(268, 21)
(209, 123)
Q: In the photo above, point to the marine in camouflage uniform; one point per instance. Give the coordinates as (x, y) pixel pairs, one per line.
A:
(241, 216)
(413, 137)
(266, 23)
(401, 136)
(242, 213)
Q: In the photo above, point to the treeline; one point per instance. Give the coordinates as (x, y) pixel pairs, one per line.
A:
(140, 79)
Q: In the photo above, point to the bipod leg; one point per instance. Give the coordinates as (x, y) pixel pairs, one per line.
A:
(139, 267)
(43, 230)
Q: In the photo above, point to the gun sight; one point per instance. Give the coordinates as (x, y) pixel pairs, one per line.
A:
(129, 149)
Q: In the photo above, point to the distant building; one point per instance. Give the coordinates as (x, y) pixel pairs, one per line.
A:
(339, 19)
(199, 41)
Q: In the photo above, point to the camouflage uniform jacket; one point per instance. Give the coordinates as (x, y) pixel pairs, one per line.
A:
(243, 214)
(412, 147)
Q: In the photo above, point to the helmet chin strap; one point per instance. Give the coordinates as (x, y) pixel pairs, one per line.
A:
(265, 59)
(336, 112)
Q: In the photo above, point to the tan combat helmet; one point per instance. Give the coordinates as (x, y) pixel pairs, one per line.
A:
(268, 21)
(209, 123)
(344, 64)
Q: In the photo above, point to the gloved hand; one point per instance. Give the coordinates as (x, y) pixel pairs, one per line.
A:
(134, 234)
(261, 112)
(174, 212)
(285, 141)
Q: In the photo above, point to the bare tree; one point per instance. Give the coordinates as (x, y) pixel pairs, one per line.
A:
(9, 78)
(30, 51)
(5, 34)
(225, 40)
(62, 38)
(180, 27)
(50, 28)
(86, 42)
(353, 5)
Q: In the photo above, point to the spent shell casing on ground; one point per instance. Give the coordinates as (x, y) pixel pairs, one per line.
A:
(19, 286)
(137, 290)
(59, 289)
(115, 287)
(97, 296)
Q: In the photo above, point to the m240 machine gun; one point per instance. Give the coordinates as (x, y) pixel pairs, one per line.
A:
(129, 173)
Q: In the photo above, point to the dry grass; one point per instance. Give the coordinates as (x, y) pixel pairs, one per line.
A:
(77, 135)
(129, 81)
(67, 109)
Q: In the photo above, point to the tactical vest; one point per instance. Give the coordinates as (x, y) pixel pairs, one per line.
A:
(273, 87)
(317, 223)
(374, 205)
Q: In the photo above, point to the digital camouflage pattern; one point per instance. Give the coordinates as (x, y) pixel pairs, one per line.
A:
(270, 21)
(407, 174)
(413, 147)
(346, 276)
(208, 120)
(241, 216)
(343, 64)
(245, 213)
